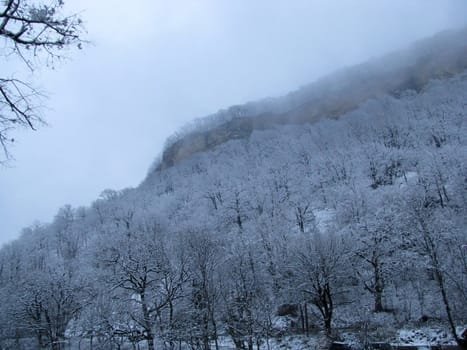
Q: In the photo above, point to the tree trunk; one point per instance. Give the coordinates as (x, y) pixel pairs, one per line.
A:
(379, 302)
(150, 340)
(147, 322)
(206, 345)
(379, 285)
(250, 343)
(327, 326)
(302, 318)
(215, 336)
(440, 280)
(328, 308)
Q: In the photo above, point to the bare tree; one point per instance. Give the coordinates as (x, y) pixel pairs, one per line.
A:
(37, 33)
(320, 272)
(436, 242)
(204, 258)
(376, 246)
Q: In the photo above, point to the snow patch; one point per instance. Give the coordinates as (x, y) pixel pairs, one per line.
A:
(324, 219)
(408, 179)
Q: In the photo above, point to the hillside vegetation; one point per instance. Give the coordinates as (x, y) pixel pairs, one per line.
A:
(348, 227)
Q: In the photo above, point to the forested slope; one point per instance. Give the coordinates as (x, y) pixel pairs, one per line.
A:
(356, 225)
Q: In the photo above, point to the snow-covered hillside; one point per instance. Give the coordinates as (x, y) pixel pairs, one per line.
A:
(340, 228)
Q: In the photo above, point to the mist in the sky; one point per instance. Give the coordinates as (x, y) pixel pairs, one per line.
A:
(155, 65)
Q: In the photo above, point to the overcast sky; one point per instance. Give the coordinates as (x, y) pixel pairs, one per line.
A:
(155, 65)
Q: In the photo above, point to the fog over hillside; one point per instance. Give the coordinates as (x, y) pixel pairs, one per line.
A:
(441, 56)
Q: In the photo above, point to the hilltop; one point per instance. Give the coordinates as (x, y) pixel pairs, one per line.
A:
(440, 57)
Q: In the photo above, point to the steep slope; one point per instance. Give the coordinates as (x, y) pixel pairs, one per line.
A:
(439, 57)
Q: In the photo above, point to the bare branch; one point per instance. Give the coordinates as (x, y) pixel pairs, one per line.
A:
(31, 32)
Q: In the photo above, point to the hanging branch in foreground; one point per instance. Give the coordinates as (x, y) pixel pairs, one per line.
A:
(37, 34)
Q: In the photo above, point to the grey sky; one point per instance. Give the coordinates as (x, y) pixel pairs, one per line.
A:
(155, 65)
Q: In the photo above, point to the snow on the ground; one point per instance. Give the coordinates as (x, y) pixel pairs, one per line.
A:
(425, 336)
(410, 178)
(422, 338)
(324, 218)
(291, 342)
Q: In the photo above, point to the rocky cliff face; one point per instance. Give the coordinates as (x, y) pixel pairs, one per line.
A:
(436, 58)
